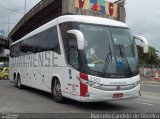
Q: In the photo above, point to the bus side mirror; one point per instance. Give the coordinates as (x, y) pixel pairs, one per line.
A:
(80, 38)
(144, 41)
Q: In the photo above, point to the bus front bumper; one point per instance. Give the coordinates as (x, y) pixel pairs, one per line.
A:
(96, 95)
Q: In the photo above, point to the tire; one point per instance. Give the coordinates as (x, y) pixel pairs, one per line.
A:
(5, 77)
(18, 82)
(56, 91)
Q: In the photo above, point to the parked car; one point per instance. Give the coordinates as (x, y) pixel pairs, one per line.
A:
(4, 72)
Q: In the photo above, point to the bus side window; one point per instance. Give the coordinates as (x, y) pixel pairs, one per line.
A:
(73, 53)
(40, 42)
(15, 50)
(51, 40)
(23, 48)
(12, 51)
(28, 46)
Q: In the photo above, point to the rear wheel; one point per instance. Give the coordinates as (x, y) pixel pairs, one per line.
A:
(57, 92)
(18, 82)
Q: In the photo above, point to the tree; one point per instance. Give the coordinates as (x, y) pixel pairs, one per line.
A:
(149, 58)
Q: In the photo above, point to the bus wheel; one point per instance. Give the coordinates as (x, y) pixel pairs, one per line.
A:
(57, 92)
(18, 82)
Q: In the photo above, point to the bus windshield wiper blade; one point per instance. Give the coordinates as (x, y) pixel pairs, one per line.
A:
(124, 57)
(107, 60)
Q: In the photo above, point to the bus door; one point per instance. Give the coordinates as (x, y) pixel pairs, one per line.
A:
(72, 72)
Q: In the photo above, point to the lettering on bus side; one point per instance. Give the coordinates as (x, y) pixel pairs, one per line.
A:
(45, 59)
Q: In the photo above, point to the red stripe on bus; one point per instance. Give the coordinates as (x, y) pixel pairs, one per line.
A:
(83, 89)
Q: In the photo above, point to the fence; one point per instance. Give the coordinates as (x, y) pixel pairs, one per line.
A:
(150, 72)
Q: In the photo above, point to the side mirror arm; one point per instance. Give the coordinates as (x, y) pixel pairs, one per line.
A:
(80, 38)
(144, 41)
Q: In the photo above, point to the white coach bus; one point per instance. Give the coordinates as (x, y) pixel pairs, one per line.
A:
(60, 57)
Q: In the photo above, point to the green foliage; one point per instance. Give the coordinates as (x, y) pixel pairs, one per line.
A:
(149, 58)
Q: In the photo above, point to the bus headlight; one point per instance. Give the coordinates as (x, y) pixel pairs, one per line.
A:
(136, 83)
(90, 83)
(84, 79)
(93, 84)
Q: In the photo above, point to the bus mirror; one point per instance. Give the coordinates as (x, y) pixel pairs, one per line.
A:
(80, 38)
(144, 41)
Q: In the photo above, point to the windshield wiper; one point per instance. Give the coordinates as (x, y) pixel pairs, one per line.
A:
(123, 56)
(107, 60)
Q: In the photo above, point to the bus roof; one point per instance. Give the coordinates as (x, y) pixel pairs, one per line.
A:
(74, 18)
(90, 19)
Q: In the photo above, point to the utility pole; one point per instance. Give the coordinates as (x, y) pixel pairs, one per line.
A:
(9, 19)
(25, 7)
(12, 11)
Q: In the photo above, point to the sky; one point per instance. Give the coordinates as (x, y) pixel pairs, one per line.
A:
(143, 17)
(11, 11)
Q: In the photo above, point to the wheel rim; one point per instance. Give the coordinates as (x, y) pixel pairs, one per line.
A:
(57, 89)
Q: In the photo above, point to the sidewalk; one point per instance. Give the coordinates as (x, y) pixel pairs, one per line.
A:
(152, 82)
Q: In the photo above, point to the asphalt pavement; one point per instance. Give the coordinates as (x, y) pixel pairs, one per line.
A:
(29, 100)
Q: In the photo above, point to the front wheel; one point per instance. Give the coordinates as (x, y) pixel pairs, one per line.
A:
(57, 92)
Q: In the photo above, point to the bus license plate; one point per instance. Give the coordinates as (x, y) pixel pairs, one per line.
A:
(118, 95)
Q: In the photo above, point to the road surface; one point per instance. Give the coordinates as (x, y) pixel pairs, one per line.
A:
(28, 100)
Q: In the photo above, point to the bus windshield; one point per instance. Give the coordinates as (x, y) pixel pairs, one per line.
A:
(108, 51)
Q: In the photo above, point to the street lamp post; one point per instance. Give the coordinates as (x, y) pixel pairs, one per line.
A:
(9, 18)
(25, 7)
(15, 11)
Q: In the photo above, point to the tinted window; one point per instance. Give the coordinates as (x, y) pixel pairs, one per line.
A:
(51, 38)
(70, 44)
(40, 42)
(28, 46)
(12, 51)
(73, 53)
(24, 47)
(44, 41)
(15, 50)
